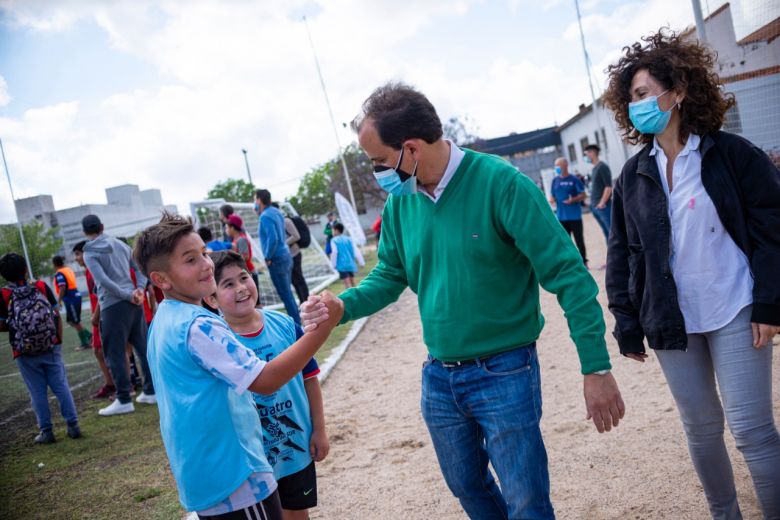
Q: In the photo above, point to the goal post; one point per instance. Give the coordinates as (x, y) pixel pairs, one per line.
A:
(317, 269)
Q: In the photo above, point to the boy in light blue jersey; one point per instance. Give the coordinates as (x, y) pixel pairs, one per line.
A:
(345, 256)
(208, 421)
(292, 419)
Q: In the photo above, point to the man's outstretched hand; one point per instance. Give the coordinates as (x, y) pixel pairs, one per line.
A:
(603, 401)
(315, 310)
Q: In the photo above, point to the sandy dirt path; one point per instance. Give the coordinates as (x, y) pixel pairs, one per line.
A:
(382, 464)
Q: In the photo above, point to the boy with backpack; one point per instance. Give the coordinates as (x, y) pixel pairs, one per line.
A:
(29, 313)
(298, 238)
(345, 256)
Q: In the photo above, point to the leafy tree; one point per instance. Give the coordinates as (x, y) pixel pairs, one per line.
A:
(233, 190)
(461, 132)
(316, 191)
(42, 245)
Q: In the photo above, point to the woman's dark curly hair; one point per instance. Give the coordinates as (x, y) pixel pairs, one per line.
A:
(676, 64)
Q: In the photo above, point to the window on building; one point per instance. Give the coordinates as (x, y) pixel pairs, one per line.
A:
(598, 139)
(572, 153)
(732, 122)
(583, 143)
(603, 139)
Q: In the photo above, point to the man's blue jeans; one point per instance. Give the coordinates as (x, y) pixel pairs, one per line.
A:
(603, 217)
(280, 271)
(490, 411)
(41, 373)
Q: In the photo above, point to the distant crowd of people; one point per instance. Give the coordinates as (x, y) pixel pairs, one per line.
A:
(693, 236)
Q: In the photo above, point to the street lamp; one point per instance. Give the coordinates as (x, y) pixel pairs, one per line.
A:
(248, 173)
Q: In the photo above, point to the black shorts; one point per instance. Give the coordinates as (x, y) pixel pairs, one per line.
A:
(268, 509)
(299, 490)
(72, 310)
(346, 274)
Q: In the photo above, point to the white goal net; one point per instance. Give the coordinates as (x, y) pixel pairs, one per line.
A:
(316, 267)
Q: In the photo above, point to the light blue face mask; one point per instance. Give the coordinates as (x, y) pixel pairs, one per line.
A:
(587, 160)
(558, 170)
(396, 181)
(647, 117)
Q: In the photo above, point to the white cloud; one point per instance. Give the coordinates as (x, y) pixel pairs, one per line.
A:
(4, 97)
(238, 75)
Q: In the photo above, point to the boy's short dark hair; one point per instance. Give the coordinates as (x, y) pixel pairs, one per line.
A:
(593, 147)
(58, 261)
(205, 234)
(223, 260)
(226, 210)
(156, 242)
(92, 225)
(13, 267)
(264, 196)
(399, 112)
(338, 226)
(79, 247)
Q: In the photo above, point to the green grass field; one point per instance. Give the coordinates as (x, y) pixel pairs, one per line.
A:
(119, 470)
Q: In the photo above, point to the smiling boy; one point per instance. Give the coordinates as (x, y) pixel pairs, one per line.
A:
(293, 419)
(208, 421)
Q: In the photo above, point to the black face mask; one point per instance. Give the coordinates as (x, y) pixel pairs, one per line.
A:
(401, 174)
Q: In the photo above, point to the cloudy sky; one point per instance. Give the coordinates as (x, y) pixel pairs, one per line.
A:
(165, 94)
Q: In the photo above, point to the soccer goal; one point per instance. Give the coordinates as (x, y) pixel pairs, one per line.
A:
(316, 267)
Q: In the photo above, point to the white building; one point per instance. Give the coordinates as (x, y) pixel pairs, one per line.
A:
(749, 68)
(129, 210)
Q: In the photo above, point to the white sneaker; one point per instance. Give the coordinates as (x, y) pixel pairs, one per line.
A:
(117, 408)
(146, 399)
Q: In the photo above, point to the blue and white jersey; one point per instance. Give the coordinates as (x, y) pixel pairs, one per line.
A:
(284, 415)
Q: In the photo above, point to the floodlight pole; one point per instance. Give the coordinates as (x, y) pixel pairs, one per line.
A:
(590, 83)
(248, 173)
(700, 31)
(16, 212)
(332, 120)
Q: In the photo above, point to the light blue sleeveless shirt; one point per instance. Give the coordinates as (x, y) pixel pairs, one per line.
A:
(211, 434)
(284, 415)
(345, 260)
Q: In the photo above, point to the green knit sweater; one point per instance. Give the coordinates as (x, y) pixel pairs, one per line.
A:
(476, 259)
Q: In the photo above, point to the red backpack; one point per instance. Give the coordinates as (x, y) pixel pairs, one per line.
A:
(31, 317)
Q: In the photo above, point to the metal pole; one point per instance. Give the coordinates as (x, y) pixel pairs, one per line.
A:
(332, 120)
(248, 173)
(18, 223)
(700, 31)
(590, 82)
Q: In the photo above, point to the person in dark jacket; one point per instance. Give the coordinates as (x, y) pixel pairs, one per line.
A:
(692, 262)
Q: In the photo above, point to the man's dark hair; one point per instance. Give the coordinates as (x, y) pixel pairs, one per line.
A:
(205, 234)
(156, 242)
(79, 247)
(264, 196)
(58, 261)
(593, 147)
(338, 226)
(223, 260)
(226, 210)
(399, 112)
(13, 267)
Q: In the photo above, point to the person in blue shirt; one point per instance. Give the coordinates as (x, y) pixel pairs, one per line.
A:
(212, 244)
(292, 418)
(345, 256)
(567, 194)
(208, 421)
(277, 255)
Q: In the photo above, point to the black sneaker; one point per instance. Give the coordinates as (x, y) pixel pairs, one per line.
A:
(74, 432)
(45, 437)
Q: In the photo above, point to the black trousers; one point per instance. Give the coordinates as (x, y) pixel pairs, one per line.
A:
(574, 228)
(298, 281)
(120, 324)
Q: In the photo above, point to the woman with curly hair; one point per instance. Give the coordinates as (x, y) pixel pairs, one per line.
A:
(692, 263)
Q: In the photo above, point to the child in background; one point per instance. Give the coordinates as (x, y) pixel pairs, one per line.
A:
(69, 298)
(345, 256)
(212, 244)
(293, 419)
(108, 389)
(28, 312)
(209, 423)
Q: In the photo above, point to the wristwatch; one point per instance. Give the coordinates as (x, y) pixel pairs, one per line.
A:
(601, 372)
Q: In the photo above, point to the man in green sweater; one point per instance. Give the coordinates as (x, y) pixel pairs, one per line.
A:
(474, 239)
